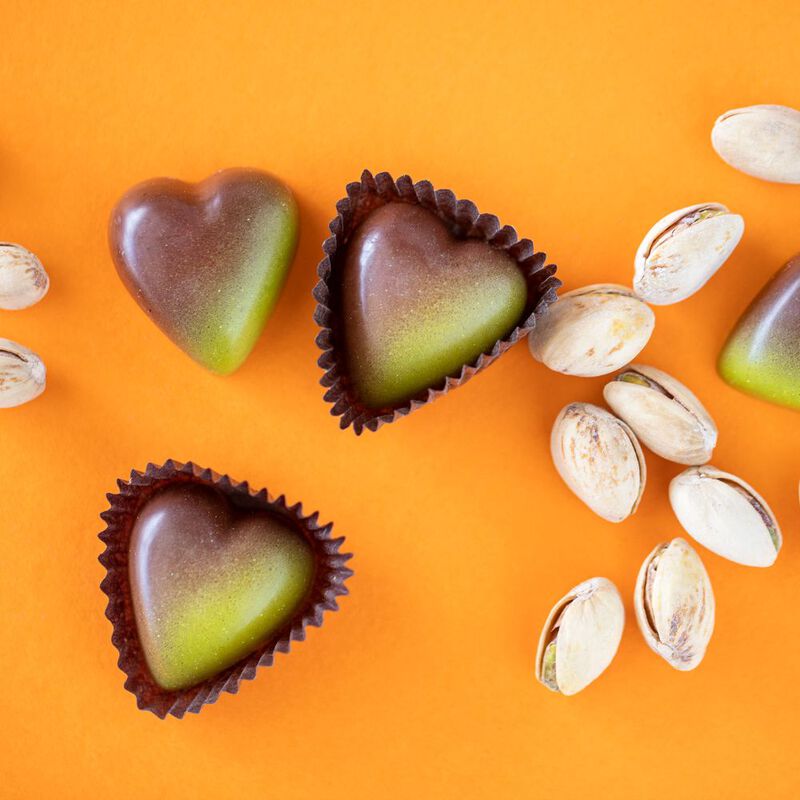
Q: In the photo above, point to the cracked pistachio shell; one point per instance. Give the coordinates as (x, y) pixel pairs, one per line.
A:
(763, 141)
(599, 459)
(22, 374)
(592, 331)
(726, 515)
(581, 636)
(674, 604)
(23, 280)
(683, 250)
(665, 416)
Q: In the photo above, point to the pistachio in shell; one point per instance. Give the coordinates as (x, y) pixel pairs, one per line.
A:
(22, 374)
(726, 515)
(666, 417)
(683, 250)
(674, 604)
(592, 331)
(762, 141)
(23, 279)
(580, 637)
(599, 459)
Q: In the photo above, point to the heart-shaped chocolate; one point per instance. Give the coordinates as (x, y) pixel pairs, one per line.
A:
(418, 292)
(207, 580)
(207, 261)
(418, 304)
(209, 585)
(762, 354)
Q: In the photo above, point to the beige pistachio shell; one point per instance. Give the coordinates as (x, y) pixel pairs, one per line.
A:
(683, 250)
(599, 459)
(666, 417)
(763, 141)
(674, 604)
(23, 280)
(22, 374)
(581, 636)
(592, 331)
(726, 515)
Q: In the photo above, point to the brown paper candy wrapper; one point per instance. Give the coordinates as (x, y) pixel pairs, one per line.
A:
(465, 222)
(330, 576)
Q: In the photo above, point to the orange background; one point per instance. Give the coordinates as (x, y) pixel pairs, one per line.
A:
(578, 123)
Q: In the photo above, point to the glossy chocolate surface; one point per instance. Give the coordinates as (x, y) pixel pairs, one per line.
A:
(418, 304)
(762, 354)
(210, 583)
(207, 262)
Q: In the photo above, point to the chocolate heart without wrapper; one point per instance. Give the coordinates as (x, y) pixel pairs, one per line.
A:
(207, 262)
(210, 584)
(418, 304)
(762, 354)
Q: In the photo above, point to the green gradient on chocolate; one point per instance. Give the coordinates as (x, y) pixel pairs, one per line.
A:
(762, 354)
(209, 584)
(226, 327)
(437, 339)
(419, 304)
(207, 262)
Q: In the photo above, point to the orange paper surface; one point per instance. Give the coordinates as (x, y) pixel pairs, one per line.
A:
(580, 124)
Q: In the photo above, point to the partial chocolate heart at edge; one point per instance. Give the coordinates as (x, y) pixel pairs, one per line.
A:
(418, 291)
(207, 261)
(207, 580)
(762, 353)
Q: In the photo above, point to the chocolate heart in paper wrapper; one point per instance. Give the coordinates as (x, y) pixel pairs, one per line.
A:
(207, 580)
(418, 292)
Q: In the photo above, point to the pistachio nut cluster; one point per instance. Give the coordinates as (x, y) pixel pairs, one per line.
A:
(600, 329)
(23, 282)
(598, 454)
(599, 457)
(674, 607)
(597, 329)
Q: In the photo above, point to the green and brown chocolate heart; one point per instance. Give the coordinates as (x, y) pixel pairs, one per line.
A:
(418, 291)
(207, 261)
(762, 354)
(207, 579)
